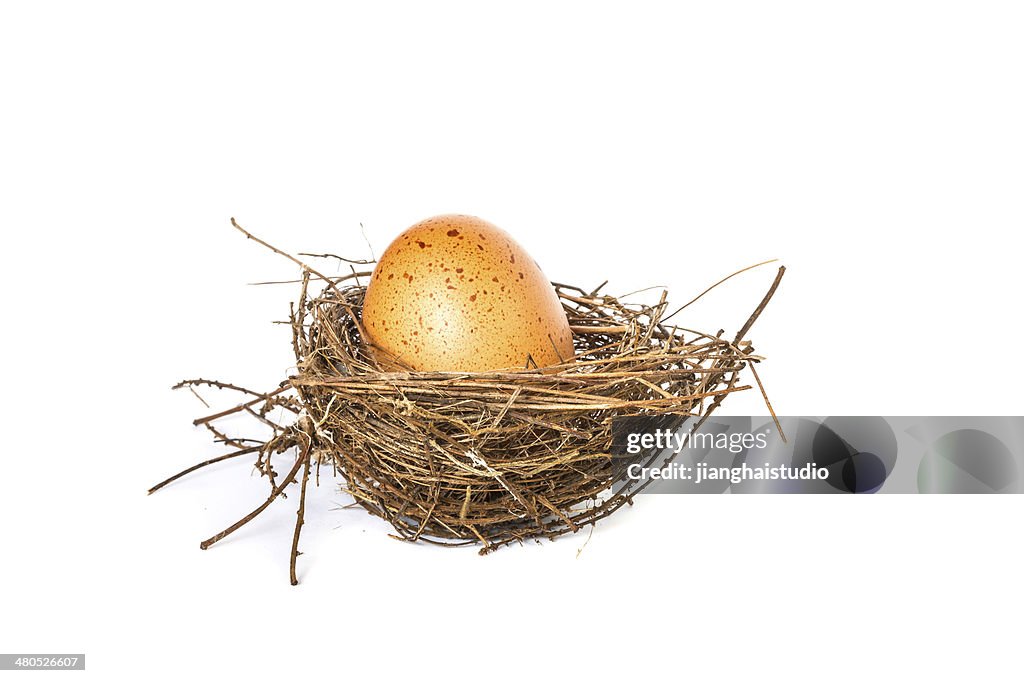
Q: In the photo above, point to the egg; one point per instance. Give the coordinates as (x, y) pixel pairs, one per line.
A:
(456, 293)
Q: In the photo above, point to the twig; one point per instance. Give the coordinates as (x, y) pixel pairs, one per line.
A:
(304, 266)
(358, 262)
(179, 475)
(241, 406)
(760, 307)
(300, 519)
(252, 515)
(724, 279)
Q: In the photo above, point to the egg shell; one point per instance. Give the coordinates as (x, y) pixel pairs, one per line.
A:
(456, 293)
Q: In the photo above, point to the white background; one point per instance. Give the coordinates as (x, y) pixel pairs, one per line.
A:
(874, 147)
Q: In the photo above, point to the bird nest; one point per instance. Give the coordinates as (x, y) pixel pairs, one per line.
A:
(484, 458)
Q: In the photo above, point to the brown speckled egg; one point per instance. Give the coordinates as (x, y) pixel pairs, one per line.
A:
(456, 293)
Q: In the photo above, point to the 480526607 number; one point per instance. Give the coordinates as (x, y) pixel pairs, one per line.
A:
(35, 662)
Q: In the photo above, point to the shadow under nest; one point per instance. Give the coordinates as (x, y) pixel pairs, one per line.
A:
(477, 458)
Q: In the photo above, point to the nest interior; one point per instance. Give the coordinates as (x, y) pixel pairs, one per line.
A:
(476, 458)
